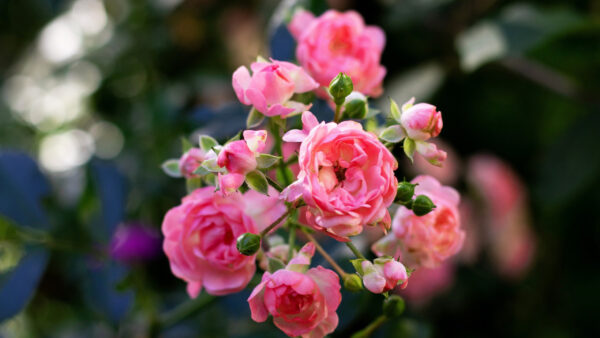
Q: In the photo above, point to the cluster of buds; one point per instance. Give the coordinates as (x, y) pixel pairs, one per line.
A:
(421, 205)
(381, 275)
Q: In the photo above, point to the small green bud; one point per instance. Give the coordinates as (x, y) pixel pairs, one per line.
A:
(340, 87)
(405, 192)
(422, 205)
(353, 282)
(393, 306)
(248, 244)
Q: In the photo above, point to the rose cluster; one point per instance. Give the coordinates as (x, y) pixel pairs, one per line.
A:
(242, 193)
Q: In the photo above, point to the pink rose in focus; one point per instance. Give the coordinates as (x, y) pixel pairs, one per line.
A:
(425, 241)
(271, 87)
(421, 121)
(302, 303)
(340, 42)
(200, 240)
(346, 177)
(190, 161)
(384, 275)
(506, 215)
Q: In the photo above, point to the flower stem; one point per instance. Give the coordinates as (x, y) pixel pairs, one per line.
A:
(368, 331)
(325, 255)
(278, 149)
(274, 224)
(337, 116)
(355, 250)
(291, 240)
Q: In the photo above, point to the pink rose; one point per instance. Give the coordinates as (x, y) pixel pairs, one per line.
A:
(302, 303)
(340, 42)
(421, 121)
(425, 241)
(200, 240)
(190, 161)
(346, 177)
(506, 214)
(384, 275)
(271, 87)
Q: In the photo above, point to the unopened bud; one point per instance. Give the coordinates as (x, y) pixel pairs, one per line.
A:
(340, 87)
(355, 106)
(405, 192)
(248, 244)
(422, 205)
(393, 306)
(353, 282)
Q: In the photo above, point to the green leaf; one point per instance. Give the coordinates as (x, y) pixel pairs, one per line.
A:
(257, 181)
(193, 184)
(255, 118)
(395, 111)
(274, 264)
(186, 144)
(392, 134)
(210, 179)
(207, 143)
(266, 160)
(409, 148)
(201, 171)
(171, 167)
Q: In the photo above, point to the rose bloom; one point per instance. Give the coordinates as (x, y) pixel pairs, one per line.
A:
(340, 42)
(271, 87)
(302, 303)
(346, 177)
(200, 238)
(190, 161)
(506, 214)
(425, 241)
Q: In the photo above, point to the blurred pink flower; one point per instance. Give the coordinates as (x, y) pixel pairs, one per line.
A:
(447, 174)
(425, 241)
(134, 242)
(346, 177)
(506, 216)
(302, 303)
(271, 87)
(425, 283)
(340, 42)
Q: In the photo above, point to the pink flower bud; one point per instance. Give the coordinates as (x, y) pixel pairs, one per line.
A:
(271, 87)
(190, 161)
(421, 121)
(237, 158)
(384, 275)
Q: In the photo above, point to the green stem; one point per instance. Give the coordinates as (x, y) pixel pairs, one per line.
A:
(278, 149)
(337, 116)
(272, 225)
(291, 240)
(355, 250)
(368, 331)
(325, 255)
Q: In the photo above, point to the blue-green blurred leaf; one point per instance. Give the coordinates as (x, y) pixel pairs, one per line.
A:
(18, 285)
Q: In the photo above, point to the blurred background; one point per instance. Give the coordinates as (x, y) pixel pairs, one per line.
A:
(95, 95)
